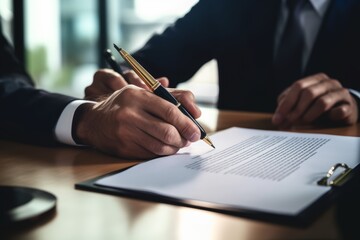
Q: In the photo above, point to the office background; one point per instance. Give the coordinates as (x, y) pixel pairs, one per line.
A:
(61, 41)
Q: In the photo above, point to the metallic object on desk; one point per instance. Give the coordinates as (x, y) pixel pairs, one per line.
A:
(23, 204)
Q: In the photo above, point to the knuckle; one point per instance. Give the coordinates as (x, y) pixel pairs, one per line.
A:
(98, 74)
(158, 149)
(131, 75)
(343, 112)
(184, 95)
(168, 134)
(323, 103)
(171, 113)
(188, 94)
(348, 121)
(309, 93)
(321, 76)
(187, 130)
(120, 120)
(299, 85)
(335, 83)
(161, 149)
(111, 81)
(127, 92)
(345, 92)
(88, 90)
(123, 115)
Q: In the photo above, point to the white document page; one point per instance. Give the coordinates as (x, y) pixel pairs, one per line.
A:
(268, 171)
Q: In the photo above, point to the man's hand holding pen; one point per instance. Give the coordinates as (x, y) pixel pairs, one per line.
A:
(134, 127)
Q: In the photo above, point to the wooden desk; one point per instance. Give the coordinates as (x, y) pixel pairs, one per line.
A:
(89, 215)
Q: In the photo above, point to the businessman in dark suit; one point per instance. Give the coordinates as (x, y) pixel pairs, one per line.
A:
(131, 129)
(298, 59)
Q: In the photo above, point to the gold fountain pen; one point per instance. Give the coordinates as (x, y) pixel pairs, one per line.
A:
(159, 90)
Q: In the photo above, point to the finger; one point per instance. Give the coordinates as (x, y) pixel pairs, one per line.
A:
(105, 81)
(115, 81)
(187, 99)
(144, 145)
(341, 113)
(110, 79)
(283, 95)
(158, 146)
(291, 98)
(164, 132)
(309, 95)
(325, 103)
(95, 92)
(133, 78)
(345, 113)
(172, 115)
(127, 145)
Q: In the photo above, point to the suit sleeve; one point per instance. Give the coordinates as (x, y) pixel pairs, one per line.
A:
(183, 47)
(27, 114)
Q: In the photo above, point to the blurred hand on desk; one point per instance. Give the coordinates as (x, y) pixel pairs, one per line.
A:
(313, 98)
(129, 121)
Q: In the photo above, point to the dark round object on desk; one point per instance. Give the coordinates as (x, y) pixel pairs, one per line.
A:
(20, 204)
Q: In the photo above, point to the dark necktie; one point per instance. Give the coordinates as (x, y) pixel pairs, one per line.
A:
(288, 59)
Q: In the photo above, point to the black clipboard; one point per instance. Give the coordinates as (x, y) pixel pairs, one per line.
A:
(301, 220)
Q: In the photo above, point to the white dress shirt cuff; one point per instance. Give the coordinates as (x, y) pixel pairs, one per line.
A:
(63, 128)
(355, 93)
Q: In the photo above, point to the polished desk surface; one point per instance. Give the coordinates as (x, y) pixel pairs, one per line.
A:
(88, 215)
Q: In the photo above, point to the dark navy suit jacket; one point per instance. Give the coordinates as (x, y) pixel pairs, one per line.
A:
(26, 113)
(240, 34)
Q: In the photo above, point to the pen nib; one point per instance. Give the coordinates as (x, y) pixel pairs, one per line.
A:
(116, 47)
(208, 141)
